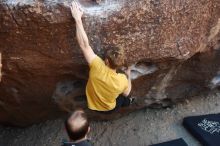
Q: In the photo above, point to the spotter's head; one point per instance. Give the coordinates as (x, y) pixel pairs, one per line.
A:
(77, 125)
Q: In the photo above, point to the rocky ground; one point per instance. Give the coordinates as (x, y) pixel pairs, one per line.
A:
(140, 128)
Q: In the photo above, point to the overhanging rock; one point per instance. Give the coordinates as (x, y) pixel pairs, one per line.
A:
(173, 46)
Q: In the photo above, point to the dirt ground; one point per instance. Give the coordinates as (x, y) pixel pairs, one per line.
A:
(141, 128)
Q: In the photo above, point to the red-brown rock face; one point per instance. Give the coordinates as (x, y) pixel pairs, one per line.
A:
(173, 46)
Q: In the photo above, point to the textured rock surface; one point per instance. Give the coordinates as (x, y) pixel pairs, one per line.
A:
(175, 44)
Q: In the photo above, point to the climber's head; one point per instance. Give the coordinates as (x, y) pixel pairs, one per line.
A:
(114, 57)
(77, 125)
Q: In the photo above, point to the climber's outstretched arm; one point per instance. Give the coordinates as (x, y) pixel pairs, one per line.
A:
(81, 34)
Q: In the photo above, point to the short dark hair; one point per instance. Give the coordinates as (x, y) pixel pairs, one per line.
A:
(77, 125)
(115, 56)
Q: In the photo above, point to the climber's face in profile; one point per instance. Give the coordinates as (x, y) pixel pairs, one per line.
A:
(114, 57)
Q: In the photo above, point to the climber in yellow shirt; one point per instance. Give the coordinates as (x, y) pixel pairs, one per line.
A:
(105, 86)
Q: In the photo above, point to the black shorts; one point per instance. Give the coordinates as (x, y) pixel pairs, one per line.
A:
(121, 101)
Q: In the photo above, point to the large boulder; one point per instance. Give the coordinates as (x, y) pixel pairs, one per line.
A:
(171, 45)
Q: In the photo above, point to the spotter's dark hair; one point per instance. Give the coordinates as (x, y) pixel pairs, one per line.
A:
(78, 133)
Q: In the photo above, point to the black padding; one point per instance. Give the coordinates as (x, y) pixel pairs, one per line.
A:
(205, 128)
(177, 142)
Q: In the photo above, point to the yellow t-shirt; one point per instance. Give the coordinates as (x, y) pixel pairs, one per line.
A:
(104, 86)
